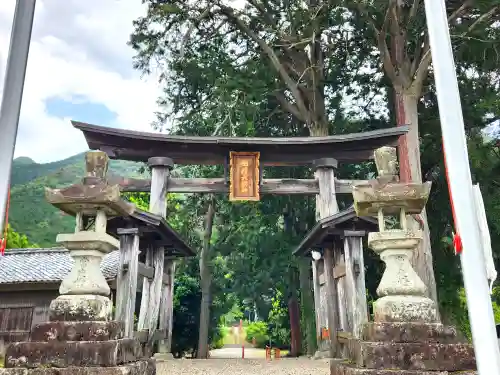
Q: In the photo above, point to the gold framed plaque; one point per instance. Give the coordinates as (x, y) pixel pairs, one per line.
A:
(244, 176)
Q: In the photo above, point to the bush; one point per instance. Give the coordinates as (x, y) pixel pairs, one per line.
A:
(279, 322)
(257, 331)
(218, 338)
(187, 299)
(2, 352)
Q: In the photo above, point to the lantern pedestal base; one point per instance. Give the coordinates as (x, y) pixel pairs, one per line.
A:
(407, 349)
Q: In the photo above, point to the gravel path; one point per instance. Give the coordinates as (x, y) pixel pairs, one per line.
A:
(234, 352)
(285, 366)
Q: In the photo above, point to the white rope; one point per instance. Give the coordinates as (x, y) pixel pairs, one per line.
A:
(491, 272)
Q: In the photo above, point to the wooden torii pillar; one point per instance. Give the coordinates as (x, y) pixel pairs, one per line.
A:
(326, 205)
(160, 173)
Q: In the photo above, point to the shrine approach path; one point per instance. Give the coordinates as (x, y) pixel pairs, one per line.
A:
(233, 366)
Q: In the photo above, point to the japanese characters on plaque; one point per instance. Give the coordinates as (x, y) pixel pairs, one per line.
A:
(244, 176)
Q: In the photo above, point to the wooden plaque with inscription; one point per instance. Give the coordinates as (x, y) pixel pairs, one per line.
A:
(244, 176)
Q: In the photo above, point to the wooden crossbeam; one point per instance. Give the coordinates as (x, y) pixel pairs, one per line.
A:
(219, 185)
(147, 272)
(338, 272)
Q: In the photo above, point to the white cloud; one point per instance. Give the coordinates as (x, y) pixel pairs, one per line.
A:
(78, 50)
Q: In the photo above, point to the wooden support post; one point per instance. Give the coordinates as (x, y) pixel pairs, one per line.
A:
(155, 292)
(326, 202)
(160, 172)
(167, 307)
(126, 280)
(342, 308)
(339, 265)
(142, 323)
(317, 300)
(331, 303)
(161, 298)
(355, 282)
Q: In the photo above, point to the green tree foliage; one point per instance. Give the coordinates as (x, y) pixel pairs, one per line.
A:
(17, 240)
(399, 35)
(258, 332)
(279, 322)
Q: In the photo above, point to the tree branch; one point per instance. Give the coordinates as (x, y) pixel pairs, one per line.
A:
(483, 18)
(291, 85)
(380, 37)
(385, 54)
(187, 36)
(414, 9)
(422, 71)
(264, 12)
(460, 11)
(289, 107)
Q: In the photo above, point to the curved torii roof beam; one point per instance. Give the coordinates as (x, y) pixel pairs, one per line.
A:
(139, 146)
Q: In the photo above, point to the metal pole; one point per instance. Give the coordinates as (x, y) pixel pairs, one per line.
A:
(460, 182)
(13, 93)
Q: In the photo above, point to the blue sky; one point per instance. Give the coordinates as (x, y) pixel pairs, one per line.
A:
(80, 109)
(80, 68)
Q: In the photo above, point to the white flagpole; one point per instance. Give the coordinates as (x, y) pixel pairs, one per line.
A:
(460, 182)
(13, 93)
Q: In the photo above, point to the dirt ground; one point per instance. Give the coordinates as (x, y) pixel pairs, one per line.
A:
(214, 366)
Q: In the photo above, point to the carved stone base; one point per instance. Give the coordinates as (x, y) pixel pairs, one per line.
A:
(322, 354)
(411, 309)
(407, 349)
(348, 369)
(108, 353)
(77, 331)
(81, 308)
(146, 367)
(77, 348)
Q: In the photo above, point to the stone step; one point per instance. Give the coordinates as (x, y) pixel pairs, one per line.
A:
(77, 331)
(72, 353)
(412, 356)
(348, 369)
(410, 332)
(136, 368)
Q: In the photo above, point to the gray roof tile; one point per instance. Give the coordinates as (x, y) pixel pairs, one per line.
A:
(45, 265)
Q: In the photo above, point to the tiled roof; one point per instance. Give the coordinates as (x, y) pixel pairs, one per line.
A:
(45, 265)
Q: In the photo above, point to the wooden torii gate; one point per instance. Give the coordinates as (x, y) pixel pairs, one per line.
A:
(244, 160)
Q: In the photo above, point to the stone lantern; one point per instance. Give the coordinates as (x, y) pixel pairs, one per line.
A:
(84, 293)
(406, 336)
(403, 294)
(81, 337)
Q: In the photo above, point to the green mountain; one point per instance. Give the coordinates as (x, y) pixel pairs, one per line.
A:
(30, 214)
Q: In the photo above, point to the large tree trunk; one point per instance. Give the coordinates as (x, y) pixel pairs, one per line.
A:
(293, 302)
(307, 303)
(206, 282)
(294, 313)
(411, 170)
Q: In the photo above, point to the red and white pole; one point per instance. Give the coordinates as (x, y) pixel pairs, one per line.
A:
(460, 185)
(12, 95)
